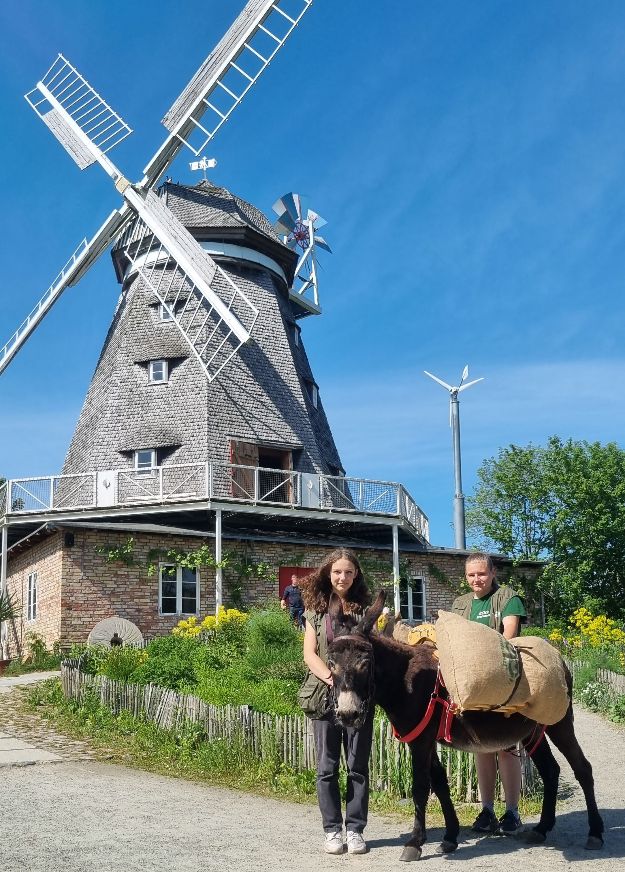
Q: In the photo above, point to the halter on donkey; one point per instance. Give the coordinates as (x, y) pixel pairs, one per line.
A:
(368, 668)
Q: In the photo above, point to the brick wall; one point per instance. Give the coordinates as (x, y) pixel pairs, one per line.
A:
(77, 587)
(45, 558)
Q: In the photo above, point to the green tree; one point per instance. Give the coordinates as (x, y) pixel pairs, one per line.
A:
(566, 504)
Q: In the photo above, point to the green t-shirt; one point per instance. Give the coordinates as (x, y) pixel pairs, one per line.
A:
(480, 609)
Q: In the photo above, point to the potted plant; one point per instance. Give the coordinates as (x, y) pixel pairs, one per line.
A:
(9, 611)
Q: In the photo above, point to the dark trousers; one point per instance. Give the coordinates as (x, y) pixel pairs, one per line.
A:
(297, 615)
(356, 744)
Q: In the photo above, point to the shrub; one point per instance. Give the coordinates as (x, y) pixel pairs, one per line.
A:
(274, 647)
(122, 663)
(170, 663)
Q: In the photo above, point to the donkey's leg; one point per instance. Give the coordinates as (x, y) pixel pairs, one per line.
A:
(440, 786)
(563, 736)
(421, 751)
(549, 772)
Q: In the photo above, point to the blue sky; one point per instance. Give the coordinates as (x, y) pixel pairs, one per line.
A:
(469, 159)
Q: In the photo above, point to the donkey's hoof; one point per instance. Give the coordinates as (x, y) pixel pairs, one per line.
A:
(410, 852)
(447, 847)
(530, 837)
(594, 843)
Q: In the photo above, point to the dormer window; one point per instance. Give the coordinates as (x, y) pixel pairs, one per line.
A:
(158, 371)
(313, 393)
(145, 461)
(296, 334)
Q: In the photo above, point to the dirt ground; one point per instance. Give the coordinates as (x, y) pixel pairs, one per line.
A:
(79, 815)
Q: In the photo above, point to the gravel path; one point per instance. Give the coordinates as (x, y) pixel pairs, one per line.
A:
(80, 815)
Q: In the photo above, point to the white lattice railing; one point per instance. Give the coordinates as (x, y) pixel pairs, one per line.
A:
(219, 481)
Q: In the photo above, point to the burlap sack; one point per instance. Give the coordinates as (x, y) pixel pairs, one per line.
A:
(480, 668)
(543, 671)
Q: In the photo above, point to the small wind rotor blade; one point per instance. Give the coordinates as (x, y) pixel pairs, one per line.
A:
(316, 219)
(284, 224)
(468, 384)
(465, 373)
(225, 77)
(437, 379)
(293, 205)
(321, 243)
(80, 261)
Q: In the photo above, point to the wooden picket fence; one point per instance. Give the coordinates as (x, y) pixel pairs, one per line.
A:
(614, 680)
(287, 737)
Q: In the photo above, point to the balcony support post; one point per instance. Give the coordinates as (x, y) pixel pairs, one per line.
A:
(218, 568)
(396, 567)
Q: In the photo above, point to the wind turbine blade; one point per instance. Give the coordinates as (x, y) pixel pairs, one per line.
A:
(316, 219)
(284, 224)
(225, 77)
(468, 384)
(437, 379)
(465, 373)
(321, 243)
(85, 255)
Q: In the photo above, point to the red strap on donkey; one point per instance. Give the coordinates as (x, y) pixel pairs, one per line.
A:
(447, 716)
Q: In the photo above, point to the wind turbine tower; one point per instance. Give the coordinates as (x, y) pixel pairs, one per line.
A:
(454, 423)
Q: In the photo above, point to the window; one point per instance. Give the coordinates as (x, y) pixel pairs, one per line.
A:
(145, 461)
(296, 334)
(164, 313)
(313, 393)
(412, 599)
(158, 371)
(178, 590)
(31, 611)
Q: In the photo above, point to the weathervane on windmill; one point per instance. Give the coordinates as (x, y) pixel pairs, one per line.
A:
(454, 422)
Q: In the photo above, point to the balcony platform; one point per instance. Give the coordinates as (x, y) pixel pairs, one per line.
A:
(253, 502)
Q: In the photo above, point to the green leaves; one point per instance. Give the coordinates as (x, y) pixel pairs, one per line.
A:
(564, 503)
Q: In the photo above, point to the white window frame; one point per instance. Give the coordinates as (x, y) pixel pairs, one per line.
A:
(415, 599)
(31, 607)
(143, 469)
(164, 314)
(163, 366)
(179, 579)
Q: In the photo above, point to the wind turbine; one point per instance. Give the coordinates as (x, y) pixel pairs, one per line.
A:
(454, 423)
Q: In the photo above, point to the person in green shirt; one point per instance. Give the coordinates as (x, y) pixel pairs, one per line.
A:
(501, 609)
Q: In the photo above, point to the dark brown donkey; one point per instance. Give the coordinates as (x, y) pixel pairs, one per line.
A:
(368, 668)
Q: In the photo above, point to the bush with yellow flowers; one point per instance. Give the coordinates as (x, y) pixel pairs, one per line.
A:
(594, 639)
(227, 622)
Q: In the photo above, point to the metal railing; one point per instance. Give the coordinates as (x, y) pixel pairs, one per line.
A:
(220, 481)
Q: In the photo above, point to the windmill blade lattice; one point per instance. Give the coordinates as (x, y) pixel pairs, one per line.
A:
(212, 313)
(88, 129)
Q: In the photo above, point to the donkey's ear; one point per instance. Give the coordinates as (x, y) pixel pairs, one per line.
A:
(372, 614)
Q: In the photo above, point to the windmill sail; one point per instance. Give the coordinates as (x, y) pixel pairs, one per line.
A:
(224, 78)
(211, 311)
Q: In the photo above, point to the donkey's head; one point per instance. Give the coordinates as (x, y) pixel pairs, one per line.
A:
(351, 662)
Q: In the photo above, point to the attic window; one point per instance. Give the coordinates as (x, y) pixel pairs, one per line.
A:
(158, 371)
(145, 461)
(296, 334)
(164, 313)
(313, 393)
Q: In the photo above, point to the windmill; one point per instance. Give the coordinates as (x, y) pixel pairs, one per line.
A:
(454, 423)
(300, 233)
(156, 243)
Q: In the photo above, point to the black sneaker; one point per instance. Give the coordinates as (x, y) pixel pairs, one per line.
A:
(509, 823)
(486, 822)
